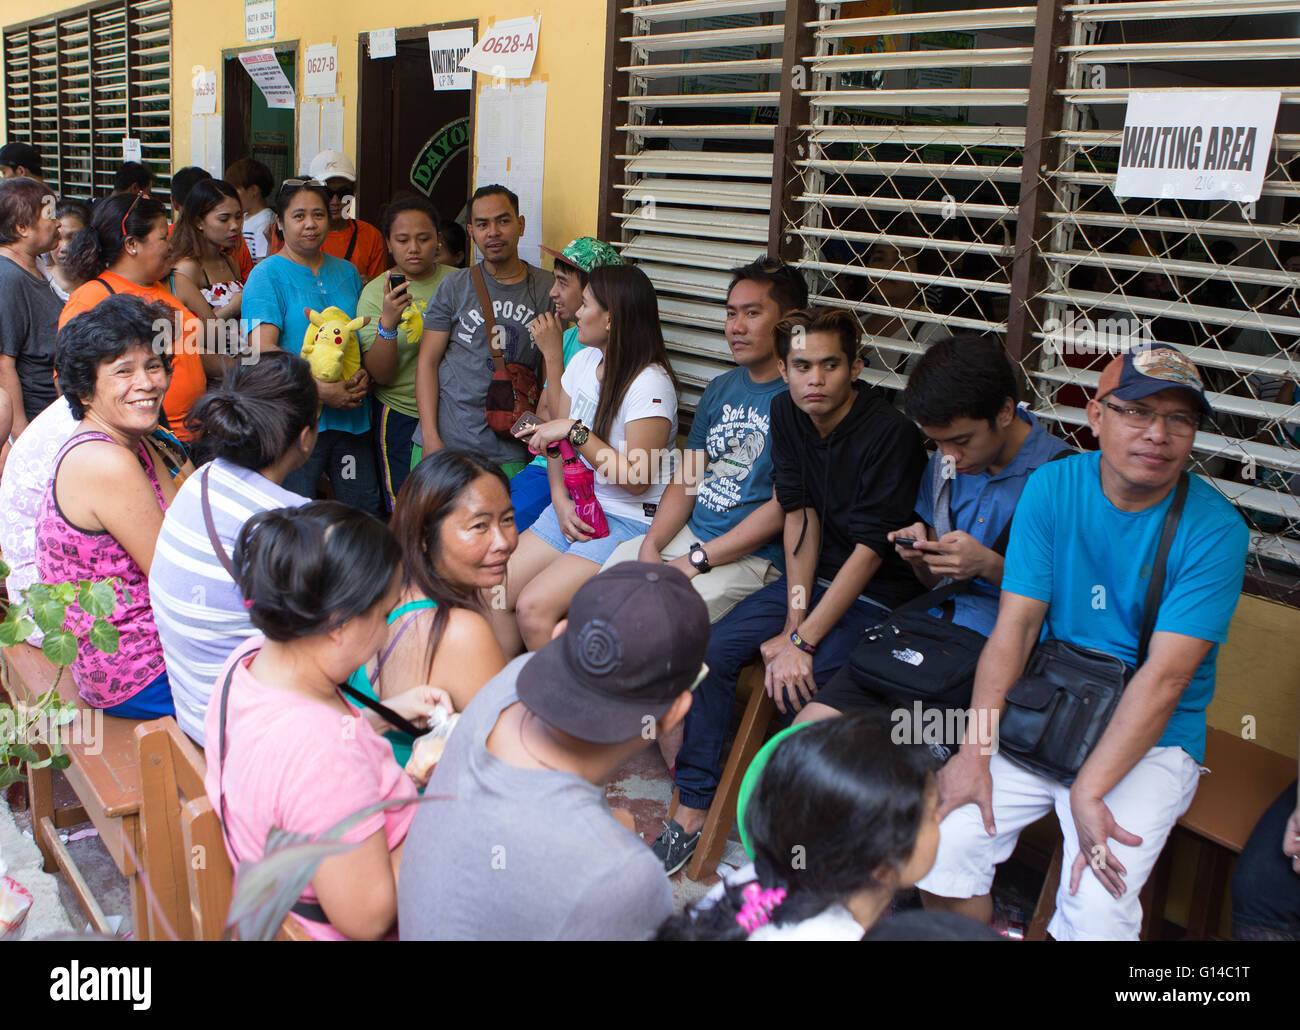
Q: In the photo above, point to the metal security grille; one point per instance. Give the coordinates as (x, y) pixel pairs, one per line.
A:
(76, 85)
(1217, 278)
(695, 185)
(908, 196)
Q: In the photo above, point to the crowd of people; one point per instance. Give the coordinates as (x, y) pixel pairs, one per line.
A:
(355, 591)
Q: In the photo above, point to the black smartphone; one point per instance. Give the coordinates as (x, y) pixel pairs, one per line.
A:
(906, 541)
(395, 279)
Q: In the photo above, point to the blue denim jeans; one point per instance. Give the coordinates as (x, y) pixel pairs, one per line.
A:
(1265, 889)
(349, 460)
(735, 640)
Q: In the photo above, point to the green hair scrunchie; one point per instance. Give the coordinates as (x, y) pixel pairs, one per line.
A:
(751, 778)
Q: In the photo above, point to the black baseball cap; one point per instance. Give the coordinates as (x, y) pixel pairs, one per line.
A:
(635, 642)
(14, 154)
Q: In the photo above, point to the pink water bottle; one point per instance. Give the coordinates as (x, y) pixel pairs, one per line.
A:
(580, 481)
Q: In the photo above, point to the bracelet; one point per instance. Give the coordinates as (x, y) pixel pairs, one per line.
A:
(802, 644)
(385, 334)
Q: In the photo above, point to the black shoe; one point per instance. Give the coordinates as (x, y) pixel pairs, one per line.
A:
(674, 848)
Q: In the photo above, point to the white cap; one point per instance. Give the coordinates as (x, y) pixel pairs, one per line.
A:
(330, 164)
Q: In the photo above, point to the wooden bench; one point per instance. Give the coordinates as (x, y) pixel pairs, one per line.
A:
(189, 879)
(1244, 779)
(752, 731)
(103, 774)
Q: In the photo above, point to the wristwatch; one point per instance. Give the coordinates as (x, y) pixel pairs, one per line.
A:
(578, 433)
(698, 557)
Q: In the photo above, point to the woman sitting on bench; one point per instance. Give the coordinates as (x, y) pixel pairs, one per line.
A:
(284, 747)
(112, 481)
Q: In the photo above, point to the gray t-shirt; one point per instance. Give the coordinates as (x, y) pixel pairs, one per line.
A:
(467, 367)
(521, 854)
(29, 323)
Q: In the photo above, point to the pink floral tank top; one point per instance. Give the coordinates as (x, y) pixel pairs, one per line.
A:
(67, 553)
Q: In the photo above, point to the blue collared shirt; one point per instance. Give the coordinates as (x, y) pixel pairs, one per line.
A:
(981, 504)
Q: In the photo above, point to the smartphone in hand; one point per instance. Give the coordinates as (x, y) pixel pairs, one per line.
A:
(527, 423)
(395, 279)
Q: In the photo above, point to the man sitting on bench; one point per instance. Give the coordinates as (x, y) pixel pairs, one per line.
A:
(962, 393)
(1086, 528)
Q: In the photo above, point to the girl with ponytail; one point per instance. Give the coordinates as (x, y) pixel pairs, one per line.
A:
(256, 428)
(837, 818)
(284, 746)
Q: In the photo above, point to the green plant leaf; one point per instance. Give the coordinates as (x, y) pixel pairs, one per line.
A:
(10, 775)
(97, 599)
(4, 569)
(49, 613)
(60, 647)
(104, 635)
(24, 752)
(60, 761)
(65, 593)
(10, 633)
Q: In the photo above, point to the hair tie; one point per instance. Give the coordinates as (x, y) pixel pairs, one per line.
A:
(759, 902)
(248, 603)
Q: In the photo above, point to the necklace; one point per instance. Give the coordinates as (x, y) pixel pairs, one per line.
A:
(524, 744)
(512, 278)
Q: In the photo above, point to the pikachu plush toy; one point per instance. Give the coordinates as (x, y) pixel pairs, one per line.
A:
(330, 345)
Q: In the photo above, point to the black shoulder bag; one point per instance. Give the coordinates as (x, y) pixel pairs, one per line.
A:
(1059, 708)
(912, 656)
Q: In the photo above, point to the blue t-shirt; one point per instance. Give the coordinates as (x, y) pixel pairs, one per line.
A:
(277, 291)
(981, 504)
(1073, 549)
(733, 426)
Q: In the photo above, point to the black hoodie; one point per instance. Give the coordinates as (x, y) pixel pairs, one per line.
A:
(861, 479)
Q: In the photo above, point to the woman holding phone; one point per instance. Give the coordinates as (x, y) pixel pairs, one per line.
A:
(618, 410)
(390, 341)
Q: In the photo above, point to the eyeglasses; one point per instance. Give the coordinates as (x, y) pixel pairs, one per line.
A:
(293, 184)
(1179, 423)
(130, 208)
(341, 192)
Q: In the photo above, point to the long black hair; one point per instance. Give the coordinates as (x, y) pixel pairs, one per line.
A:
(429, 494)
(98, 245)
(636, 340)
(836, 801)
(258, 411)
(305, 571)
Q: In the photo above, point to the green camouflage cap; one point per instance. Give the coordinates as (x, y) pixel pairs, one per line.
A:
(587, 252)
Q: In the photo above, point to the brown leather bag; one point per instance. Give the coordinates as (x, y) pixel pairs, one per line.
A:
(514, 388)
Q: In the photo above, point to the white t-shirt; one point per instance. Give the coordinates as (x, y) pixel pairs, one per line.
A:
(834, 923)
(650, 395)
(255, 234)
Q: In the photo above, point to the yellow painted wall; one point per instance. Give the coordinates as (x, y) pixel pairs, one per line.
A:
(570, 58)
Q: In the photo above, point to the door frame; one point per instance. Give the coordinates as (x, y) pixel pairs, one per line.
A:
(232, 108)
(374, 138)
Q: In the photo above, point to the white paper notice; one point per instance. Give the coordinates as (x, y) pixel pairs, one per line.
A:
(447, 48)
(130, 150)
(205, 93)
(308, 133)
(383, 43)
(510, 144)
(266, 72)
(1197, 146)
(198, 141)
(321, 72)
(259, 20)
(213, 162)
(507, 50)
(331, 125)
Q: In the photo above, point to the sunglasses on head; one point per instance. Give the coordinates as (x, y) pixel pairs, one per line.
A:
(130, 208)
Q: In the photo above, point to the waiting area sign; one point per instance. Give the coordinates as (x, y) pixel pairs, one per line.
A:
(1197, 146)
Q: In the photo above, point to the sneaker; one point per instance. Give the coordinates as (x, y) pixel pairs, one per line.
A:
(674, 848)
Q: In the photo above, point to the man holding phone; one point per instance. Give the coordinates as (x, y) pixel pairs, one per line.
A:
(962, 393)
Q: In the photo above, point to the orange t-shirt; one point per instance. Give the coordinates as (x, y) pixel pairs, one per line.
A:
(189, 381)
(369, 254)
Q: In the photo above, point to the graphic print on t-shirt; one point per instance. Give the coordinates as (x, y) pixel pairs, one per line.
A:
(735, 443)
(510, 318)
